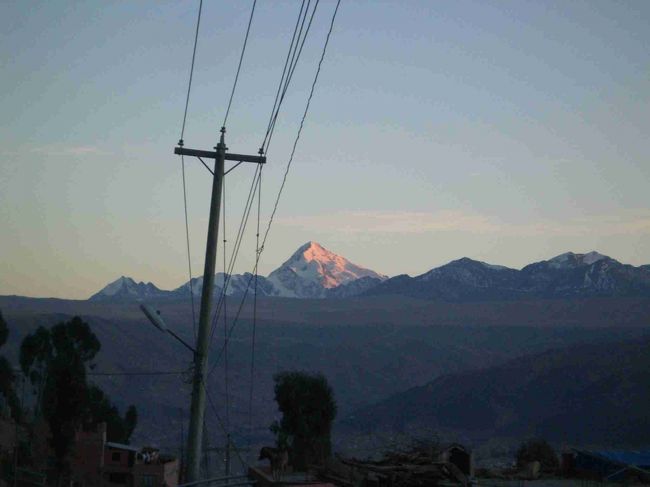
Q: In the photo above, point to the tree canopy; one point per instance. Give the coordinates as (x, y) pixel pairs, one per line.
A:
(55, 360)
(308, 409)
(7, 376)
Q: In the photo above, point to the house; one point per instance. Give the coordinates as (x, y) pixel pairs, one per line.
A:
(100, 463)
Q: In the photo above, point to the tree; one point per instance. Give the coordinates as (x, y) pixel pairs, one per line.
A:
(101, 410)
(55, 361)
(308, 409)
(7, 376)
(537, 450)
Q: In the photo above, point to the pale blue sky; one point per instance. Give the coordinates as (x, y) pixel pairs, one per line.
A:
(506, 131)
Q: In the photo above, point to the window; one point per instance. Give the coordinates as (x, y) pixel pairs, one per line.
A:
(116, 456)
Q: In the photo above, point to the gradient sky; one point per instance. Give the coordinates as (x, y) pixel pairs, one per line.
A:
(505, 131)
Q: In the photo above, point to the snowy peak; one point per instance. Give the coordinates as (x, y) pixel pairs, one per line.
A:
(237, 284)
(125, 287)
(570, 260)
(313, 269)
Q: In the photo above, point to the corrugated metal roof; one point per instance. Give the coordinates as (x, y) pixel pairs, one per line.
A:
(639, 458)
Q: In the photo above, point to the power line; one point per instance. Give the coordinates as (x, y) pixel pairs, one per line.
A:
(295, 49)
(277, 200)
(189, 256)
(298, 39)
(189, 84)
(221, 424)
(241, 58)
(235, 253)
(134, 373)
(225, 311)
(284, 70)
(257, 250)
(180, 143)
(302, 122)
(291, 71)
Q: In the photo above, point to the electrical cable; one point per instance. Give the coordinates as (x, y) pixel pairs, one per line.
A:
(277, 200)
(241, 58)
(302, 122)
(225, 314)
(221, 423)
(189, 257)
(189, 84)
(290, 75)
(257, 249)
(286, 64)
(233, 258)
(180, 143)
(290, 63)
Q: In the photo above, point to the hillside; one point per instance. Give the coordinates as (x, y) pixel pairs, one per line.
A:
(582, 394)
(369, 348)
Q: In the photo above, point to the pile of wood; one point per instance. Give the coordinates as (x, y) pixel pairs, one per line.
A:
(414, 468)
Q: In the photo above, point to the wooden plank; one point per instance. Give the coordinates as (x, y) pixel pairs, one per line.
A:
(194, 152)
(244, 158)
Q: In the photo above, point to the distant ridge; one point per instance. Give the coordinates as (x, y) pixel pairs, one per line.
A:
(583, 394)
(566, 275)
(314, 272)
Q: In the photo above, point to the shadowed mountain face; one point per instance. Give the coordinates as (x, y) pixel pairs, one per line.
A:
(582, 394)
(567, 275)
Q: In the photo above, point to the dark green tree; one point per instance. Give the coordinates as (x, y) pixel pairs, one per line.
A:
(308, 409)
(101, 409)
(7, 376)
(55, 360)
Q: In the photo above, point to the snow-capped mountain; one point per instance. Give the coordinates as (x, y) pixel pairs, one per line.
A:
(125, 288)
(566, 275)
(236, 285)
(313, 270)
(462, 279)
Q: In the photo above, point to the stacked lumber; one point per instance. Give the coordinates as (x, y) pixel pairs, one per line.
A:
(415, 468)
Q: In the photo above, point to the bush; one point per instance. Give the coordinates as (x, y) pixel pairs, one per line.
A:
(537, 449)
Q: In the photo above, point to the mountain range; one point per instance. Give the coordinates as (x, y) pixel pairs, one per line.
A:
(313, 272)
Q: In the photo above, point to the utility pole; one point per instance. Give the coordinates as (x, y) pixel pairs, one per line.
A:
(197, 407)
